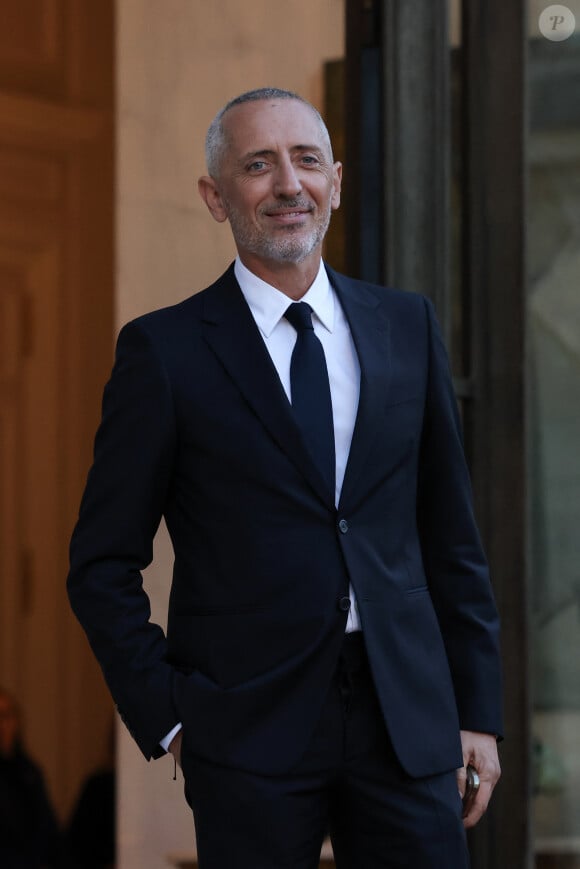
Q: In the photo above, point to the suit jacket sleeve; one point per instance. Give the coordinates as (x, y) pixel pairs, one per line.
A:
(113, 539)
(454, 560)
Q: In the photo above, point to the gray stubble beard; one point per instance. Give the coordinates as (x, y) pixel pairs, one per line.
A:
(278, 249)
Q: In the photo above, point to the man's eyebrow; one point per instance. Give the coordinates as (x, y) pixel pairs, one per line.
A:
(270, 152)
(316, 148)
(253, 155)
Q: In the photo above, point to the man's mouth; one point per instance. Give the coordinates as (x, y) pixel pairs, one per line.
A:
(287, 215)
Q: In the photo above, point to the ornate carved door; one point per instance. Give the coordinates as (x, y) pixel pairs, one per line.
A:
(56, 292)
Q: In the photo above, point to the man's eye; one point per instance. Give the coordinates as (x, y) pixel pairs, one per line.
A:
(256, 166)
(309, 159)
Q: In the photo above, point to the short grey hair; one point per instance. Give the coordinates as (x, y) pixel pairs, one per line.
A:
(216, 141)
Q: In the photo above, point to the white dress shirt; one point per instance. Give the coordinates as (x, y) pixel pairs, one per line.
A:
(268, 306)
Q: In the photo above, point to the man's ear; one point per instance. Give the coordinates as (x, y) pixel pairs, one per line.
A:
(210, 194)
(336, 185)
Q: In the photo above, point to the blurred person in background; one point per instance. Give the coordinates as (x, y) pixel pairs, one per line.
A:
(90, 835)
(29, 834)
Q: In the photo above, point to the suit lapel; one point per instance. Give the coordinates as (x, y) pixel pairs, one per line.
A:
(231, 332)
(370, 330)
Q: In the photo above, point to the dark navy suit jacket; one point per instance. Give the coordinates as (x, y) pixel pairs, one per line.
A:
(197, 428)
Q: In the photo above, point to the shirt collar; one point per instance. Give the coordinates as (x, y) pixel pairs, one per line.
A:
(268, 304)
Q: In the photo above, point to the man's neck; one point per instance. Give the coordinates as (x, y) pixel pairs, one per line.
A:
(292, 279)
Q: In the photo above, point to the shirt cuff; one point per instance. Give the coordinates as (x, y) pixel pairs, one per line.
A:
(166, 741)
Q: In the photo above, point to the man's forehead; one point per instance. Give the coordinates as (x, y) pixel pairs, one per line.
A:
(268, 125)
(267, 115)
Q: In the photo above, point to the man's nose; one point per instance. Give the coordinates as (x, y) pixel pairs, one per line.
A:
(287, 183)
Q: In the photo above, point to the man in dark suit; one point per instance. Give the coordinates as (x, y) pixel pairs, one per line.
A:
(331, 659)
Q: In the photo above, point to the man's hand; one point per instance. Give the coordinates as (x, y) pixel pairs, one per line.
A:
(175, 747)
(479, 750)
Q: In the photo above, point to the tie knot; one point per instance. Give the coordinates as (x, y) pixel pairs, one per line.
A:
(300, 315)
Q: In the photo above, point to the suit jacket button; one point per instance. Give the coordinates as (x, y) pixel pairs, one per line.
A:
(344, 604)
(343, 526)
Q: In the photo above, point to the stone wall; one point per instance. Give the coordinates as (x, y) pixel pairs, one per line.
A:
(178, 62)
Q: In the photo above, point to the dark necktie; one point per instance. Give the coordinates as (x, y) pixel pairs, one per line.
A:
(311, 402)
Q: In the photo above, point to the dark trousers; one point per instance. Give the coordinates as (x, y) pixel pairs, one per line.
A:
(349, 784)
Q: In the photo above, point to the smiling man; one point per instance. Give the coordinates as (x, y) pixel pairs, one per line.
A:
(331, 660)
(276, 184)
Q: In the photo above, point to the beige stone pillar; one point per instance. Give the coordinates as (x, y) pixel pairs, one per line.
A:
(178, 61)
